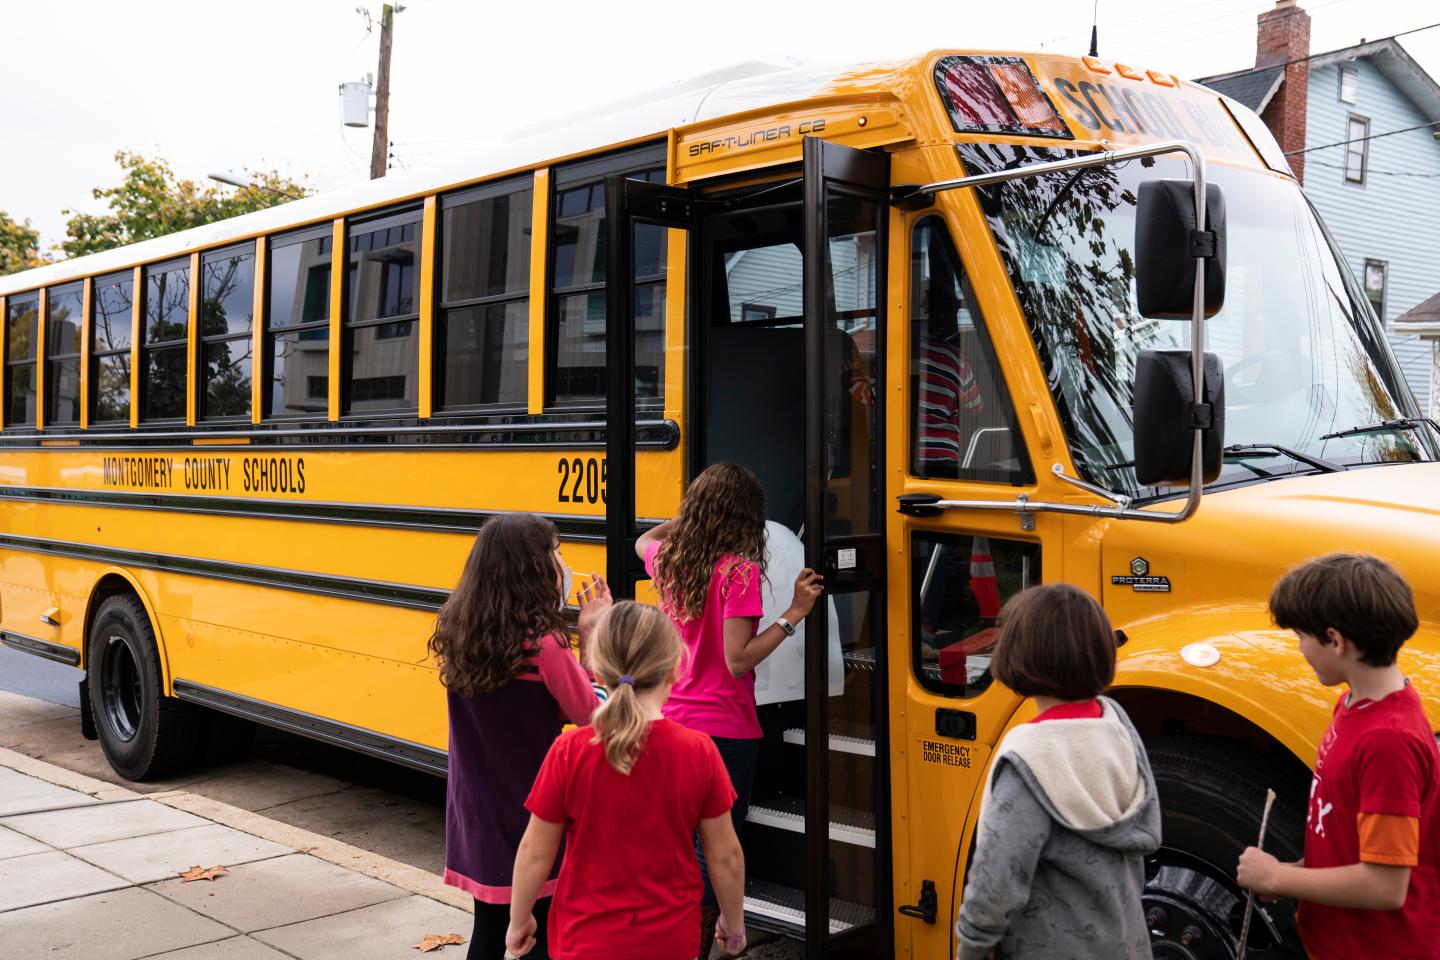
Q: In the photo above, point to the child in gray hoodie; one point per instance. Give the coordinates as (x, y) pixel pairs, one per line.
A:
(1069, 810)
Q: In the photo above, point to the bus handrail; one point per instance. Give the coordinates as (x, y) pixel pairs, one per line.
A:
(1121, 509)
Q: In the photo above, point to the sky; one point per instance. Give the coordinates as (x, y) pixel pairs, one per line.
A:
(216, 85)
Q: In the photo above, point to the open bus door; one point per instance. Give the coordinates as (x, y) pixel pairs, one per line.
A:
(817, 833)
(848, 873)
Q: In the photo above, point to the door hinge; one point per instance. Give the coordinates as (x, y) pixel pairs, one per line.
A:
(928, 907)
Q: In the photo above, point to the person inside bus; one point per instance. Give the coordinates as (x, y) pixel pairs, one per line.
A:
(511, 683)
(707, 565)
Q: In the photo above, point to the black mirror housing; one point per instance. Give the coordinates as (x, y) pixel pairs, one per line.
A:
(1164, 431)
(1164, 256)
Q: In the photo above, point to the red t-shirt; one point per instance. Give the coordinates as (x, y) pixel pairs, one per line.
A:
(1083, 710)
(1375, 798)
(710, 698)
(630, 885)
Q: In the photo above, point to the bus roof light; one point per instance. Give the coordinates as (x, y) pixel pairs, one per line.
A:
(1026, 98)
(992, 94)
(1128, 72)
(1096, 65)
(1164, 79)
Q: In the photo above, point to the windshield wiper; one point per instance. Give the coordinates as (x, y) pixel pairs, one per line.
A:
(1399, 423)
(1272, 449)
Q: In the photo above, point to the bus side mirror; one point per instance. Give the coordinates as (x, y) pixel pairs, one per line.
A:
(1166, 245)
(1165, 418)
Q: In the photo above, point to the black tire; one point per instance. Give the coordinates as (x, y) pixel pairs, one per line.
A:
(144, 734)
(1212, 796)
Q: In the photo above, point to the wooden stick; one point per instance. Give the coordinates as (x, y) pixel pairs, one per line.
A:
(1250, 896)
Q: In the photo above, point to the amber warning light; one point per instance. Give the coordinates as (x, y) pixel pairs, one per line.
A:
(996, 95)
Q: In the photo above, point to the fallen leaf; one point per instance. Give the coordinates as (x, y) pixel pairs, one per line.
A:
(434, 941)
(198, 872)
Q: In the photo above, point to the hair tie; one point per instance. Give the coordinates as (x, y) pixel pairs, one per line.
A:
(627, 679)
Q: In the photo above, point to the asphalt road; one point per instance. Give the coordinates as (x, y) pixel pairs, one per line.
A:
(376, 806)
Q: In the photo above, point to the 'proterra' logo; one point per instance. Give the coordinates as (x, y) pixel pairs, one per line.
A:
(1139, 567)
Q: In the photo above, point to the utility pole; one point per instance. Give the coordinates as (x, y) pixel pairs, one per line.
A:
(380, 152)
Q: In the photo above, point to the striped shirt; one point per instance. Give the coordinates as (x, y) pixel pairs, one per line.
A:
(947, 387)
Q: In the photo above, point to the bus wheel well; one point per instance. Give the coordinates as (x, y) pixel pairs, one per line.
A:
(108, 586)
(1157, 713)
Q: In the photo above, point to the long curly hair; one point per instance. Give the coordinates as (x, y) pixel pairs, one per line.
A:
(722, 515)
(506, 601)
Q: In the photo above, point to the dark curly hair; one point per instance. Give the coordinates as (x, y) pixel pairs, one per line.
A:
(723, 513)
(506, 601)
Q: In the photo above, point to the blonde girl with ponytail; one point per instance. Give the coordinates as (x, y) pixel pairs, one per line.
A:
(628, 793)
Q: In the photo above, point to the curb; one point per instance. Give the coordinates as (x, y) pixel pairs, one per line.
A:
(402, 875)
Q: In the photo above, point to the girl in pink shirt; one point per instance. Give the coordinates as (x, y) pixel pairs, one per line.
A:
(707, 564)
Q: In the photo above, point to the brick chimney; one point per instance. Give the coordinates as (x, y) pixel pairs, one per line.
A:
(1283, 35)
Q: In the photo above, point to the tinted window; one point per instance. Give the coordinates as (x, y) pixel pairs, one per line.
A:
(112, 299)
(382, 309)
(111, 304)
(163, 356)
(383, 270)
(486, 247)
(22, 325)
(576, 351)
(485, 354)
(961, 417)
(297, 340)
(227, 292)
(167, 303)
(64, 309)
(958, 585)
(483, 329)
(227, 307)
(299, 277)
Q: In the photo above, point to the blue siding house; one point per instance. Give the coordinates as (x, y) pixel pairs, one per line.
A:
(1361, 127)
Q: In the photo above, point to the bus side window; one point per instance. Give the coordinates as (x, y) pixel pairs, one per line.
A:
(110, 350)
(22, 329)
(382, 310)
(962, 421)
(297, 324)
(164, 341)
(227, 302)
(482, 336)
(958, 585)
(65, 305)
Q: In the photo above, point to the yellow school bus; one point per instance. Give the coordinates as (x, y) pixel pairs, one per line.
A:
(950, 312)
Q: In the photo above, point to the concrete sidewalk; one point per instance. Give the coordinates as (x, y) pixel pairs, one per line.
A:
(91, 870)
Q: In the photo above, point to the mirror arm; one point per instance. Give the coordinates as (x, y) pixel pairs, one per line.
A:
(1119, 499)
(910, 196)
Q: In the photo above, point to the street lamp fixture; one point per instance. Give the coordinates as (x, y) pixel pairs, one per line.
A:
(245, 183)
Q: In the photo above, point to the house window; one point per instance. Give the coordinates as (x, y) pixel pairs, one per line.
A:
(1375, 276)
(1357, 148)
(1349, 81)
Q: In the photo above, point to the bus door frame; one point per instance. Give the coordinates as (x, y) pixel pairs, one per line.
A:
(831, 170)
(628, 203)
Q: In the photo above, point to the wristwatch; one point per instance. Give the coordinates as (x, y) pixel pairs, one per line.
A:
(787, 626)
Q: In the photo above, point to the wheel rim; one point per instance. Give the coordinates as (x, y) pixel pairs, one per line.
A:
(121, 696)
(1194, 911)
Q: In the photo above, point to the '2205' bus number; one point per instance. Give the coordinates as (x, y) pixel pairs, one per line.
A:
(581, 480)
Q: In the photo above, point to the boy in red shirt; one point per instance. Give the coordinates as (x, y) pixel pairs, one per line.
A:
(1368, 885)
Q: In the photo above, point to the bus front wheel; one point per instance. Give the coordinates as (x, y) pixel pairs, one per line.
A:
(144, 733)
(1212, 795)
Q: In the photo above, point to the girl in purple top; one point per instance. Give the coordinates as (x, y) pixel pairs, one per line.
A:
(707, 564)
(511, 683)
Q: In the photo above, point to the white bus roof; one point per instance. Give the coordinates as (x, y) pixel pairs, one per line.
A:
(745, 87)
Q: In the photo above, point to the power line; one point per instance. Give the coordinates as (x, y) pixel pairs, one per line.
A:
(1371, 172)
(1373, 136)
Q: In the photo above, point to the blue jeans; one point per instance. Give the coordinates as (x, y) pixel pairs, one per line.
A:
(740, 757)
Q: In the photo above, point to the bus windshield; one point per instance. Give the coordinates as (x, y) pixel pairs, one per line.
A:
(1303, 353)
